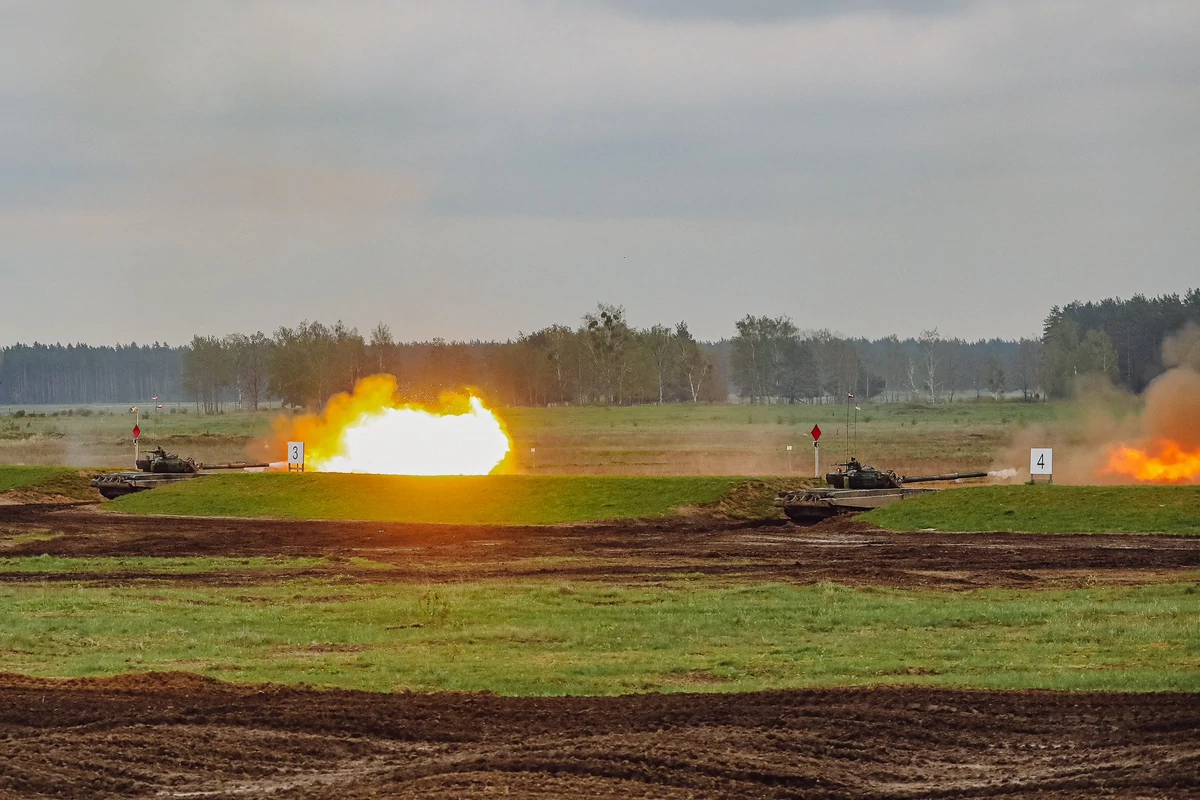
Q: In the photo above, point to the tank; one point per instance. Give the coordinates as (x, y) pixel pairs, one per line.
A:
(855, 488)
(159, 468)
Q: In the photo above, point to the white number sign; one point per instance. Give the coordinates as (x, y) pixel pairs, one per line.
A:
(295, 454)
(1041, 461)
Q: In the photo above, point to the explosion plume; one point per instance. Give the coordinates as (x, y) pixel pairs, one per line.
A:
(367, 431)
(1168, 450)
(1159, 444)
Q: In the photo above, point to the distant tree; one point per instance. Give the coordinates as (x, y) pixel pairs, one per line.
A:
(824, 350)
(350, 361)
(208, 368)
(695, 366)
(847, 367)
(290, 374)
(1098, 354)
(662, 348)
(449, 366)
(951, 358)
(608, 341)
(798, 373)
(760, 352)
(1027, 366)
(550, 364)
(895, 364)
(930, 349)
(252, 363)
(562, 352)
(996, 382)
(381, 349)
(313, 361)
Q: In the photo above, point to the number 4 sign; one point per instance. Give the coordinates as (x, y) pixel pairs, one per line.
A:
(295, 456)
(1041, 461)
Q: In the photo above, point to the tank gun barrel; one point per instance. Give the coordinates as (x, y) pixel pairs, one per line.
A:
(233, 465)
(953, 476)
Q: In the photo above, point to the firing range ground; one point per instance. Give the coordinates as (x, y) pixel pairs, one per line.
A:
(841, 551)
(177, 735)
(181, 735)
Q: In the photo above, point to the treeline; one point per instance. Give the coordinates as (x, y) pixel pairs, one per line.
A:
(1120, 338)
(773, 361)
(36, 374)
(605, 360)
(601, 360)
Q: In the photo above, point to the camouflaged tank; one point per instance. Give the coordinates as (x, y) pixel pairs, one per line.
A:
(158, 468)
(855, 488)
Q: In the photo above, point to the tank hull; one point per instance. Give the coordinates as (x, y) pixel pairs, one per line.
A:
(809, 506)
(119, 484)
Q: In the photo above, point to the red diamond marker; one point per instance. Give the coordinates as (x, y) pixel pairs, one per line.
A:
(137, 431)
(816, 432)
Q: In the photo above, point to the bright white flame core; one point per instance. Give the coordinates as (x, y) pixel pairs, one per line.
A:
(409, 441)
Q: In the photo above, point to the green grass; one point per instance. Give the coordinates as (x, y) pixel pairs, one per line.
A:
(500, 499)
(1049, 509)
(550, 639)
(46, 480)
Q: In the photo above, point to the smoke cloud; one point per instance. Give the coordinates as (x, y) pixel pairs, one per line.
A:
(1111, 440)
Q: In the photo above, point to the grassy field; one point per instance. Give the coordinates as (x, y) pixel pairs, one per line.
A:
(257, 619)
(641, 440)
(1049, 509)
(547, 638)
(496, 499)
(55, 481)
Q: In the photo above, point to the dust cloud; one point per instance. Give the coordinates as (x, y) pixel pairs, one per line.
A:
(1116, 438)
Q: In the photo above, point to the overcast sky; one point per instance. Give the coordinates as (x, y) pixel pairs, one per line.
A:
(475, 169)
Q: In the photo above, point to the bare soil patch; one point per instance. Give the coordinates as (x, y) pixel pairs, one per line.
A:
(177, 735)
(846, 552)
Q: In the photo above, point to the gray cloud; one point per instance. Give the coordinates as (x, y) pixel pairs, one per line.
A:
(470, 169)
(768, 10)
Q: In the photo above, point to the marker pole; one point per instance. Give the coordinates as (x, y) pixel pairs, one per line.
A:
(816, 459)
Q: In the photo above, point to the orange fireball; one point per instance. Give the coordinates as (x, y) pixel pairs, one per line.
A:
(1163, 461)
(366, 431)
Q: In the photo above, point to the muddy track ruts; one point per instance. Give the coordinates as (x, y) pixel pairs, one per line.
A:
(179, 735)
(839, 551)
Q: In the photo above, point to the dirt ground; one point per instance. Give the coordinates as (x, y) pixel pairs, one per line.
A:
(181, 735)
(842, 551)
(185, 736)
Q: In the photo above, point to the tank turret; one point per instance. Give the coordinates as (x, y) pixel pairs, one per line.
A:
(159, 462)
(856, 476)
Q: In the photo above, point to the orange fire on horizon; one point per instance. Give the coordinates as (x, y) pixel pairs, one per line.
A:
(368, 432)
(1168, 450)
(1162, 461)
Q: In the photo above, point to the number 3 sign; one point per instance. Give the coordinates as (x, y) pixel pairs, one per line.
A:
(295, 456)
